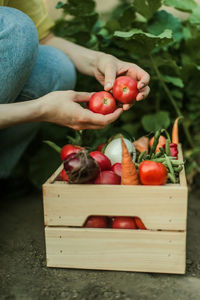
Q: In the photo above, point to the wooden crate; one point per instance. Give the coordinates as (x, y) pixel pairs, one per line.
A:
(163, 209)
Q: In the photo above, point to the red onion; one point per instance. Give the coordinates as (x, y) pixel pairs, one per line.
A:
(80, 167)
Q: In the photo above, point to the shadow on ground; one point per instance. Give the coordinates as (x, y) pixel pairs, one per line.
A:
(24, 275)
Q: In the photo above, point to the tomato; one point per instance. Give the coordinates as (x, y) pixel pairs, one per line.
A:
(152, 173)
(100, 147)
(102, 160)
(139, 223)
(102, 103)
(125, 89)
(68, 149)
(107, 177)
(117, 169)
(124, 223)
(64, 175)
(96, 222)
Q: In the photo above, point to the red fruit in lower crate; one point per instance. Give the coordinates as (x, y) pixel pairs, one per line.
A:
(124, 223)
(139, 223)
(96, 222)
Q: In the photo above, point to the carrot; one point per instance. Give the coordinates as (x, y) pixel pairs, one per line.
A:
(129, 173)
(175, 137)
(141, 144)
(161, 142)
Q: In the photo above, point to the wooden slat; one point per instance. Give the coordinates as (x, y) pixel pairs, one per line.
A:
(182, 176)
(160, 207)
(108, 249)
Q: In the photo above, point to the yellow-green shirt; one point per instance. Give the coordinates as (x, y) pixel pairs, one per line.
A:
(35, 9)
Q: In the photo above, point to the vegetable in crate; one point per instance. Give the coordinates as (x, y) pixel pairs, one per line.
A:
(161, 143)
(96, 222)
(114, 150)
(68, 149)
(107, 177)
(117, 169)
(152, 173)
(139, 223)
(142, 144)
(81, 167)
(102, 160)
(129, 172)
(124, 223)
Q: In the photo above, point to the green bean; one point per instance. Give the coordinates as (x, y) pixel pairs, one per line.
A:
(171, 170)
(155, 142)
(168, 152)
(143, 154)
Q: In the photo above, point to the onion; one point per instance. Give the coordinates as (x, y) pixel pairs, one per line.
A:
(114, 150)
(80, 167)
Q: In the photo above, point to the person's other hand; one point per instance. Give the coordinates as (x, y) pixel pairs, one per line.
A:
(63, 108)
(108, 67)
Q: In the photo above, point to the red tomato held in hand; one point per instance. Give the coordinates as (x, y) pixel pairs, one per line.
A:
(107, 177)
(117, 169)
(152, 173)
(139, 223)
(125, 89)
(102, 103)
(96, 222)
(68, 149)
(102, 160)
(124, 223)
(64, 175)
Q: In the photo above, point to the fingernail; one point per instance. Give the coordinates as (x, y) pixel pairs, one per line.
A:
(142, 85)
(108, 86)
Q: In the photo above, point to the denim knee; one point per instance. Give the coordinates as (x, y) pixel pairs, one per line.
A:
(52, 71)
(18, 51)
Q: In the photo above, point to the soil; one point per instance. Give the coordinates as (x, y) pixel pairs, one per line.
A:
(24, 275)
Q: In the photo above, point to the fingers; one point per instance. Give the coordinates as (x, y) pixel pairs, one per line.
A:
(143, 93)
(143, 78)
(110, 75)
(127, 106)
(102, 120)
(81, 97)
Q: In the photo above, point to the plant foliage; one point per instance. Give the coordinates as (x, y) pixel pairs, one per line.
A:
(167, 47)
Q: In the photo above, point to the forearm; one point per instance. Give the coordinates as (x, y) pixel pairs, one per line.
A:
(22, 112)
(84, 59)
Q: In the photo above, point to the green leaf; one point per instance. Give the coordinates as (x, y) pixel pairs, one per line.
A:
(183, 5)
(147, 7)
(195, 17)
(142, 42)
(79, 8)
(153, 122)
(163, 20)
(174, 80)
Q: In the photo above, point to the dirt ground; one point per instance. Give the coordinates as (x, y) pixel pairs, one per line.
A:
(24, 275)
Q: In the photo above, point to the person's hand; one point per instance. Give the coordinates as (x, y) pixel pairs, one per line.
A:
(63, 108)
(108, 67)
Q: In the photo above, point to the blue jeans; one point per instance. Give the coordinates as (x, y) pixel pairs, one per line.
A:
(27, 71)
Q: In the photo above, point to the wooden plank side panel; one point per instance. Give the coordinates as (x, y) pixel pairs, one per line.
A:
(125, 250)
(160, 207)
